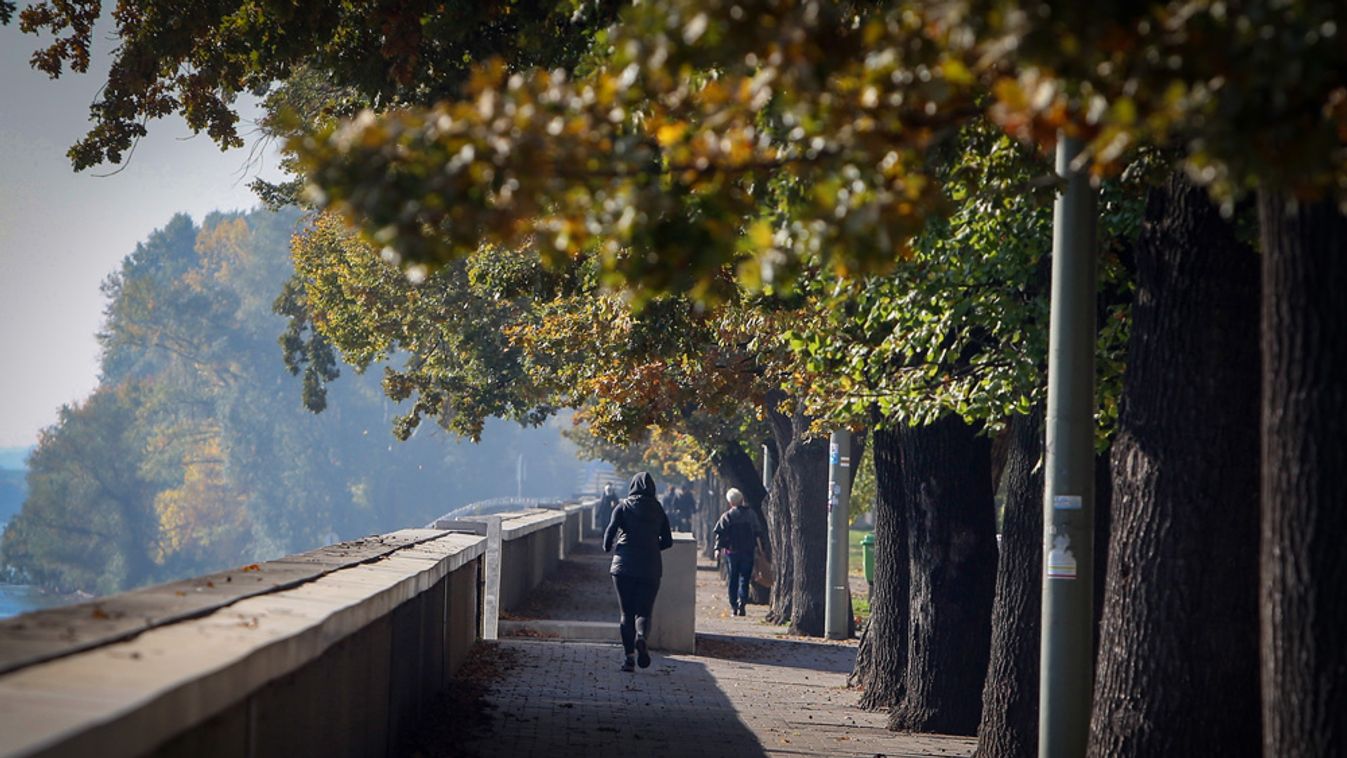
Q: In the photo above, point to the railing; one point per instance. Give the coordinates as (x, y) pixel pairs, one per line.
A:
(335, 651)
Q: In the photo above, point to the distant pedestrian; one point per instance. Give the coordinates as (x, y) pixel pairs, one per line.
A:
(737, 535)
(606, 505)
(685, 504)
(637, 532)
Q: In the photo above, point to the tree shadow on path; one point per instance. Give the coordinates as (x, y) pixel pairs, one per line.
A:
(569, 699)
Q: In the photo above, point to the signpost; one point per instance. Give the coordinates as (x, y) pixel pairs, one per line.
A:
(836, 605)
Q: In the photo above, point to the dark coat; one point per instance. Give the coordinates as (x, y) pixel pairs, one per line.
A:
(638, 531)
(739, 530)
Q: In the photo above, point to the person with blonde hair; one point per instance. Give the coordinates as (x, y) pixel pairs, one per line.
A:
(737, 534)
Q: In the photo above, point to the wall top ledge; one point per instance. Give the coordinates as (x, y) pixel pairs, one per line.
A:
(39, 636)
(126, 697)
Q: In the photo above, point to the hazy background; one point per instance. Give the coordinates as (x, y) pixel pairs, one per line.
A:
(62, 233)
(175, 466)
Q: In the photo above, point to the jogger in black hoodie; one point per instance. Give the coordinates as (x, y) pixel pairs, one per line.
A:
(637, 532)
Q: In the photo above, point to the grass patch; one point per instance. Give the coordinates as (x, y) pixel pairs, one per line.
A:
(855, 559)
(860, 606)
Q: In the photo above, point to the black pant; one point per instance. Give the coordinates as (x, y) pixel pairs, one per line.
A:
(741, 573)
(636, 598)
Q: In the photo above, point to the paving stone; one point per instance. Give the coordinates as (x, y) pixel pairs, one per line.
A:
(751, 689)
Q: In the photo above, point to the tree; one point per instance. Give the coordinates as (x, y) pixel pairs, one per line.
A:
(1248, 96)
(1010, 697)
(881, 661)
(1185, 484)
(961, 328)
(498, 335)
(1279, 131)
(1303, 598)
(197, 63)
(952, 538)
(197, 433)
(88, 523)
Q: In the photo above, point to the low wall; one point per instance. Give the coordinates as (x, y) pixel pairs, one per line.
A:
(588, 519)
(674, 626)
(530, 548)
(574, 530)
(527, 558)
(343, 662)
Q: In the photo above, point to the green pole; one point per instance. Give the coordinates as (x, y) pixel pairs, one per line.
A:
(835, 604)
(1066, 674)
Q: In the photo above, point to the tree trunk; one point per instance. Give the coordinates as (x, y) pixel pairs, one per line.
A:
(947, 491)
(710, 495)
(1176, 671)
(736, 467)
(1304, 487)
(1103, 522)
(806, 464)
(857, 453)
(1009, 726)
(884, 643)
(779, 521)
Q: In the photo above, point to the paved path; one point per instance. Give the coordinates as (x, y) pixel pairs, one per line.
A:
(751, 690)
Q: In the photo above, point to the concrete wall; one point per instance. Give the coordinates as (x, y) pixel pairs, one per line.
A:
(574, 530)
(531, 545)
(341, 665)
(524, 563)
(334, 652)
(674, 624)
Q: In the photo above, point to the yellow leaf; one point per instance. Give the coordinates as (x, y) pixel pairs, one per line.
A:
(670, 133)
(956, 72)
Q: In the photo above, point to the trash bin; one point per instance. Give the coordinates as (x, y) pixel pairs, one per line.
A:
(868, 556)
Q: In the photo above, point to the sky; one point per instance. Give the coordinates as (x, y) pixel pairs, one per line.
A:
(62, 233)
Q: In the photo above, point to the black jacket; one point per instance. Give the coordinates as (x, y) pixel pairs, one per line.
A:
(638, 531)
(738, 530)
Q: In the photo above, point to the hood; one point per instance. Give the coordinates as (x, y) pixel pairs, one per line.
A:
(642, 486)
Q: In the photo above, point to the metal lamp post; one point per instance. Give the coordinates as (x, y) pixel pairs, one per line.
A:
(1066, 673)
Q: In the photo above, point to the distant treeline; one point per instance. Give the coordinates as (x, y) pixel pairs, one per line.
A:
(195, 452)
(12, 492)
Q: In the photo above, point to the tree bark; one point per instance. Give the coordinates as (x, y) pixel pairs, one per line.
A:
(709, 504)
(806, 464)
(736, 467)
(1176, 671)
(946, 471)
(1009, 726)
(779, 521)
(1304, 488)
(857, 453)
(1103, 523)
(880, 671)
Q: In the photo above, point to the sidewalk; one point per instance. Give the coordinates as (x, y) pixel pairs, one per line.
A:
(751, 690)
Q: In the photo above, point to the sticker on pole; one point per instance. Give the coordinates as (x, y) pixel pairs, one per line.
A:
(845, 462)
(1066, 502)
(834, 454)
(1061, 563)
